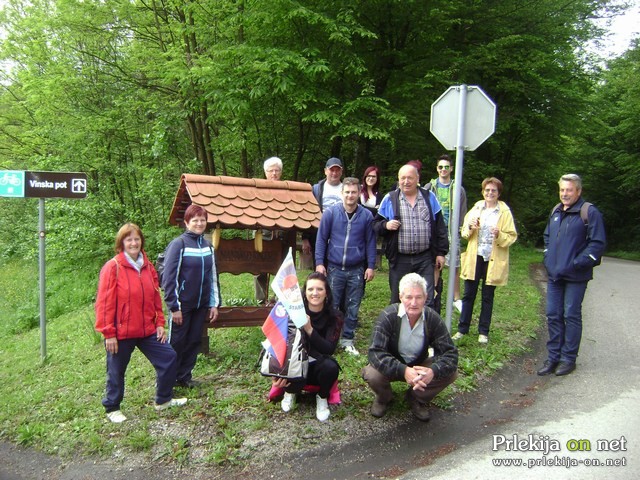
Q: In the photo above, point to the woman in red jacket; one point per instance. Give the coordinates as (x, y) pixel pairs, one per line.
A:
(129, 315)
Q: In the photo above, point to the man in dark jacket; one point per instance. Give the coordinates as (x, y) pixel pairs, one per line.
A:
(573, 245)
(402, 338)
(411, 223)
(327, 193)
(347, 243)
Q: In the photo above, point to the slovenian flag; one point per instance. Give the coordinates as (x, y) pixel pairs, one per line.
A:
(275, 328)
(285, 285)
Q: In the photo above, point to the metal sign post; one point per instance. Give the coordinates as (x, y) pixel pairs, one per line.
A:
(461, 119)
(41, 185)
(42, 275)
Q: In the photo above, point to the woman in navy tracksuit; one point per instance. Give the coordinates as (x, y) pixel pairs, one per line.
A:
(191, 290)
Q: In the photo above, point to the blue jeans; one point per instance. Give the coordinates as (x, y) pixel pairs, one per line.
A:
(422, 264)
(469, 298)
(161, 356)
(564, 319)
(347, 285)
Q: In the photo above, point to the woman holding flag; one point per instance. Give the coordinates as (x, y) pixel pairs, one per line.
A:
(323, 327)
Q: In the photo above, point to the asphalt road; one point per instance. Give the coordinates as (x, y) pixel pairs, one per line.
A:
(597, 402)
(543, 418)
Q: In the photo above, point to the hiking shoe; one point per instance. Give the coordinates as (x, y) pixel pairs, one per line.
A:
(483, 339)
(458, 305)
(288, 402)
(458, 336)
(322, 408)
(351, 350)
(420, 410)
(378, 409)
(174, 402)
(116, 416)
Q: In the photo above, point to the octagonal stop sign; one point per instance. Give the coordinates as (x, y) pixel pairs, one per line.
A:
(479, 117)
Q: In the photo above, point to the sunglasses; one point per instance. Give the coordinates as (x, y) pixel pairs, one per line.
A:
(444, 167)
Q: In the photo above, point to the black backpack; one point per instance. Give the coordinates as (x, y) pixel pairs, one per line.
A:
(160, 262)
(296, 363)
(584, 211)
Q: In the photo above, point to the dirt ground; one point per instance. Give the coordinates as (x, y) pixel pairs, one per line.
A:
(373, 448)
(365, 448)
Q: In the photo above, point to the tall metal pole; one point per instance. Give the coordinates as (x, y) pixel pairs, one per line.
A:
(455, 214)
(43, 297)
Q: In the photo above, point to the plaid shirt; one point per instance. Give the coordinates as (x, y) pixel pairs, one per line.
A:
(384, 352)
(414, 235)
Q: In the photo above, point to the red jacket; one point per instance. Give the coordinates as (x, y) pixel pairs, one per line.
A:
(128, 304)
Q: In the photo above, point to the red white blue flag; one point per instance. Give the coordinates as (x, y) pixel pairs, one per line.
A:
(275, 328)
(285, 285)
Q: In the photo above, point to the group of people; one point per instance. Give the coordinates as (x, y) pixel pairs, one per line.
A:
(410, 342)
(416, 225)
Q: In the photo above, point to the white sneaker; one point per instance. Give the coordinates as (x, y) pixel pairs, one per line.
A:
(457, 336)
(458, 305)
(351, 350)
(174, 402)
(322, 408)
(483, 339)
(288, 402)
(116, 416)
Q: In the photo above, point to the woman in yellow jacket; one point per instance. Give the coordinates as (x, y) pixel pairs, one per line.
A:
(490, 230)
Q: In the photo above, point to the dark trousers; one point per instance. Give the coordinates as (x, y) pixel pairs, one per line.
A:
(261, 287)
(161, 356)
(469, 298)
(381, 385)
(421, 263)
(186, 340)
(564, 319)
(323, 372)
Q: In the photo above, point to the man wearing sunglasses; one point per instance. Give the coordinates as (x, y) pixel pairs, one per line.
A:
(442, 186)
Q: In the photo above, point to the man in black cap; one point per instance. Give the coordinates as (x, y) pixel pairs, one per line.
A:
(328, 192)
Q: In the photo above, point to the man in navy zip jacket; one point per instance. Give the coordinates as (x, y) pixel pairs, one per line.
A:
(347, 241)
(573, 245)
(191, 291)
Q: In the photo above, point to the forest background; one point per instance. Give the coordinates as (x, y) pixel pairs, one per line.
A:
(137, 92)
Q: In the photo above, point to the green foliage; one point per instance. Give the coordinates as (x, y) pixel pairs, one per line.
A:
(135, 94)
(608, 149)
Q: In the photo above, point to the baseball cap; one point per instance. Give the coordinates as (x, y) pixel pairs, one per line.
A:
(333, 162)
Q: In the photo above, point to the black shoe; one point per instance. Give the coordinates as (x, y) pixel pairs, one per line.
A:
(565, 368)
(548, 368)
(420, 411)
(187, 383)
(378, 408)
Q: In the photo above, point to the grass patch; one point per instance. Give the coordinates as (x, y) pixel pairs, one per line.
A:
(624, 255)
(55, 405)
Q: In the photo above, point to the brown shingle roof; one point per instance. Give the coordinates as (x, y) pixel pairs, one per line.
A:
(248, 202)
